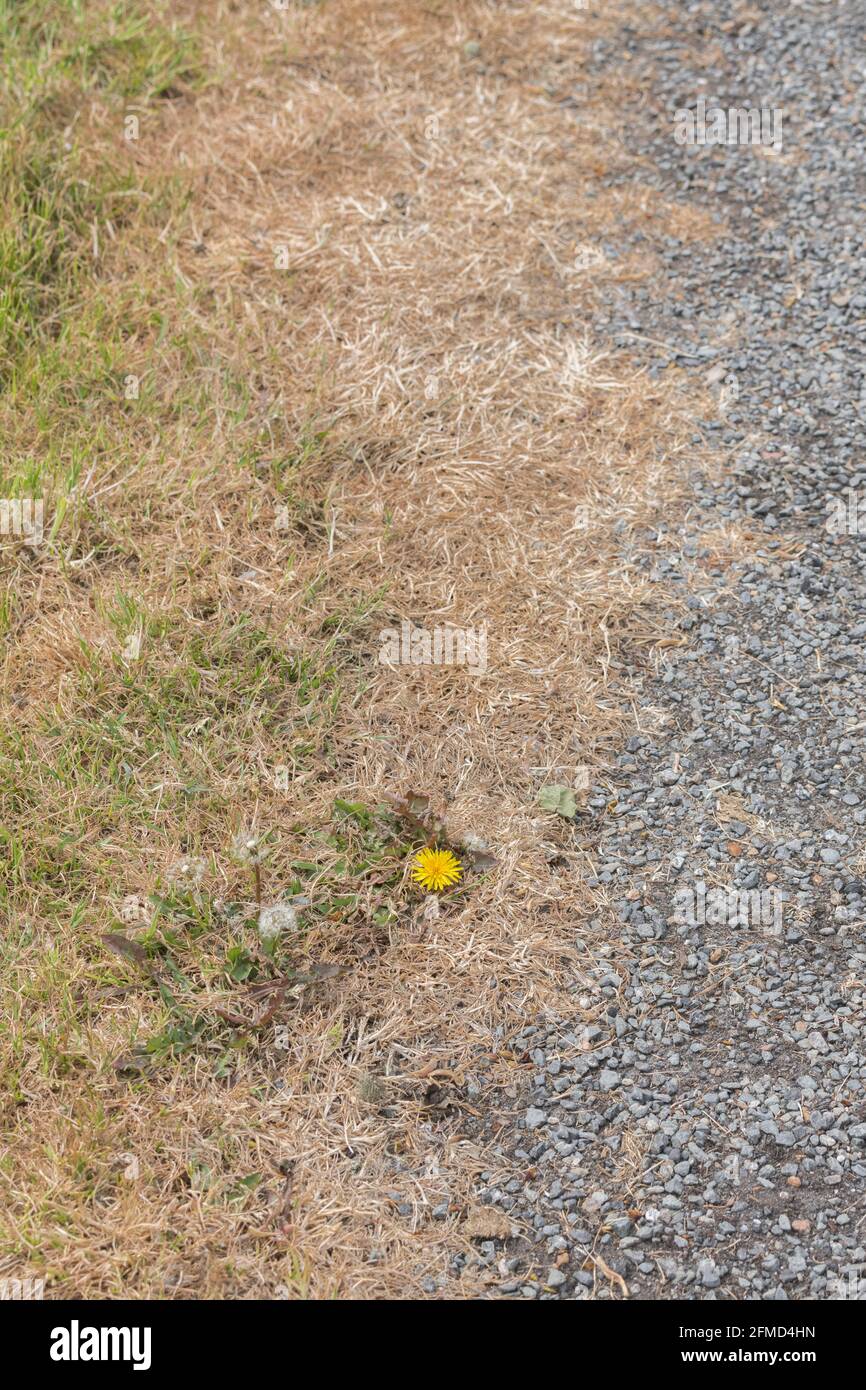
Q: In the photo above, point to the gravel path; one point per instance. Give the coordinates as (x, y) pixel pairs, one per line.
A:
(705, 1136)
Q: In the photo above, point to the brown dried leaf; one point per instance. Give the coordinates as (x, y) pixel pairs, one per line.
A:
(122, 946)
(416, 808)
(486, 1223)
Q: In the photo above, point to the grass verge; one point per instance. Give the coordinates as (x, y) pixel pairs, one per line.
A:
(294, 350)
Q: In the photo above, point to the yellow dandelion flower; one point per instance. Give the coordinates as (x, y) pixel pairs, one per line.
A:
(436, 869)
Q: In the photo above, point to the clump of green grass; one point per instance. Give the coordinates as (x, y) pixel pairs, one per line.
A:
(80, 302)
(73, 48)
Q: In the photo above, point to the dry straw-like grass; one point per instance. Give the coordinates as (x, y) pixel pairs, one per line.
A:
(391, 251)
